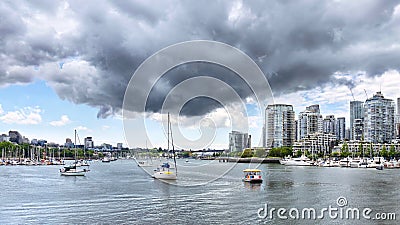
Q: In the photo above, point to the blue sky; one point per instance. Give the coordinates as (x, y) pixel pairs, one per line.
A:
(38, 95)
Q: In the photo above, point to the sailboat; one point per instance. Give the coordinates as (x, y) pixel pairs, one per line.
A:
(165, 172)
(73, 170)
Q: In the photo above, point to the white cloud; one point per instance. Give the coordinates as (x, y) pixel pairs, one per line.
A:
(64, 120)
(334, 99)
(83, 128)
(105, 127)
(25, 116)
(1, 109)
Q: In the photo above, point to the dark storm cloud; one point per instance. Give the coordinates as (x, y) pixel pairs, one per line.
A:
(298, 44)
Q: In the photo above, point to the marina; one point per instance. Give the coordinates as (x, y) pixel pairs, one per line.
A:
(122, 192)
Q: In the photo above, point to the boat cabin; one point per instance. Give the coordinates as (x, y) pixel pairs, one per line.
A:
(252, 175)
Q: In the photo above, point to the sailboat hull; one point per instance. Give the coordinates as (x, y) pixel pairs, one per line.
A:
(77, 173)
(164, 175)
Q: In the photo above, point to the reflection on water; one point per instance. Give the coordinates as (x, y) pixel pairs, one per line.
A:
(121, 192)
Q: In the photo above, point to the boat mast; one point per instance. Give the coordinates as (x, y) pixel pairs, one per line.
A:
(75, 145)
(173, 147)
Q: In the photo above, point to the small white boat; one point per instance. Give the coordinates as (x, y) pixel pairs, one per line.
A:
(345, 162)
(302, 161)
(72, 171)
(106, 160)
(354, 163)
(144, 164)
(252, 176)
(164, 172)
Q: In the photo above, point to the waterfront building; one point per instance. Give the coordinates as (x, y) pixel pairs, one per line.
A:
(340, 129)
(356, 112)
(398, 106)
(89, 144)
(42, 142)
(119, 146)
(34, 141)
(379, 126)
(15, 137)
(4, 137)
(316, 143)
(358, 127)
(25, 140)
(68, 143)
(309, 121)
(238, 141)
(347, 134)
(106, 147)
(329, 124)
(280, 126)
(356, 147)
(397, 126)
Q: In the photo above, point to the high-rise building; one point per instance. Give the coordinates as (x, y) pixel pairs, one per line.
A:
(329, 124)
(310, 121)
(89, 142)
(398, 106)
(379, 119)
(356, 112)
(397, 120)
(280, 128)
(340, 128)
(313, 108)
(358, 127)
(238, 141)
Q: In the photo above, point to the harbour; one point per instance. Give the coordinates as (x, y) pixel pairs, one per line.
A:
(122, 192)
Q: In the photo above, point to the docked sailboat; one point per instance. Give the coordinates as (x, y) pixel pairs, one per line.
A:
(165, 172)
(73, 170)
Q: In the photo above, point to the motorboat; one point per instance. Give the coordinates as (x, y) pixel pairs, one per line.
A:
(252, 176)
(106, 160)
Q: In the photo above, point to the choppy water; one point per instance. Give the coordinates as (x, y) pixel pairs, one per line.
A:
(121, 192)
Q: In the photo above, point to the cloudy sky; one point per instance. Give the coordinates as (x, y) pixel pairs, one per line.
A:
(65, 65)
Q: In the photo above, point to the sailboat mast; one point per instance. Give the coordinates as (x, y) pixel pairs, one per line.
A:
(168, 132)
(173, 147)
(75, 145)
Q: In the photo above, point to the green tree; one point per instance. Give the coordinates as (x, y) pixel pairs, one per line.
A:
(299, 153)
(345, 150)
(335, 154)
(259, 153)
(360, 149)
(392, 151)
(384, 152)
(247, 153)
